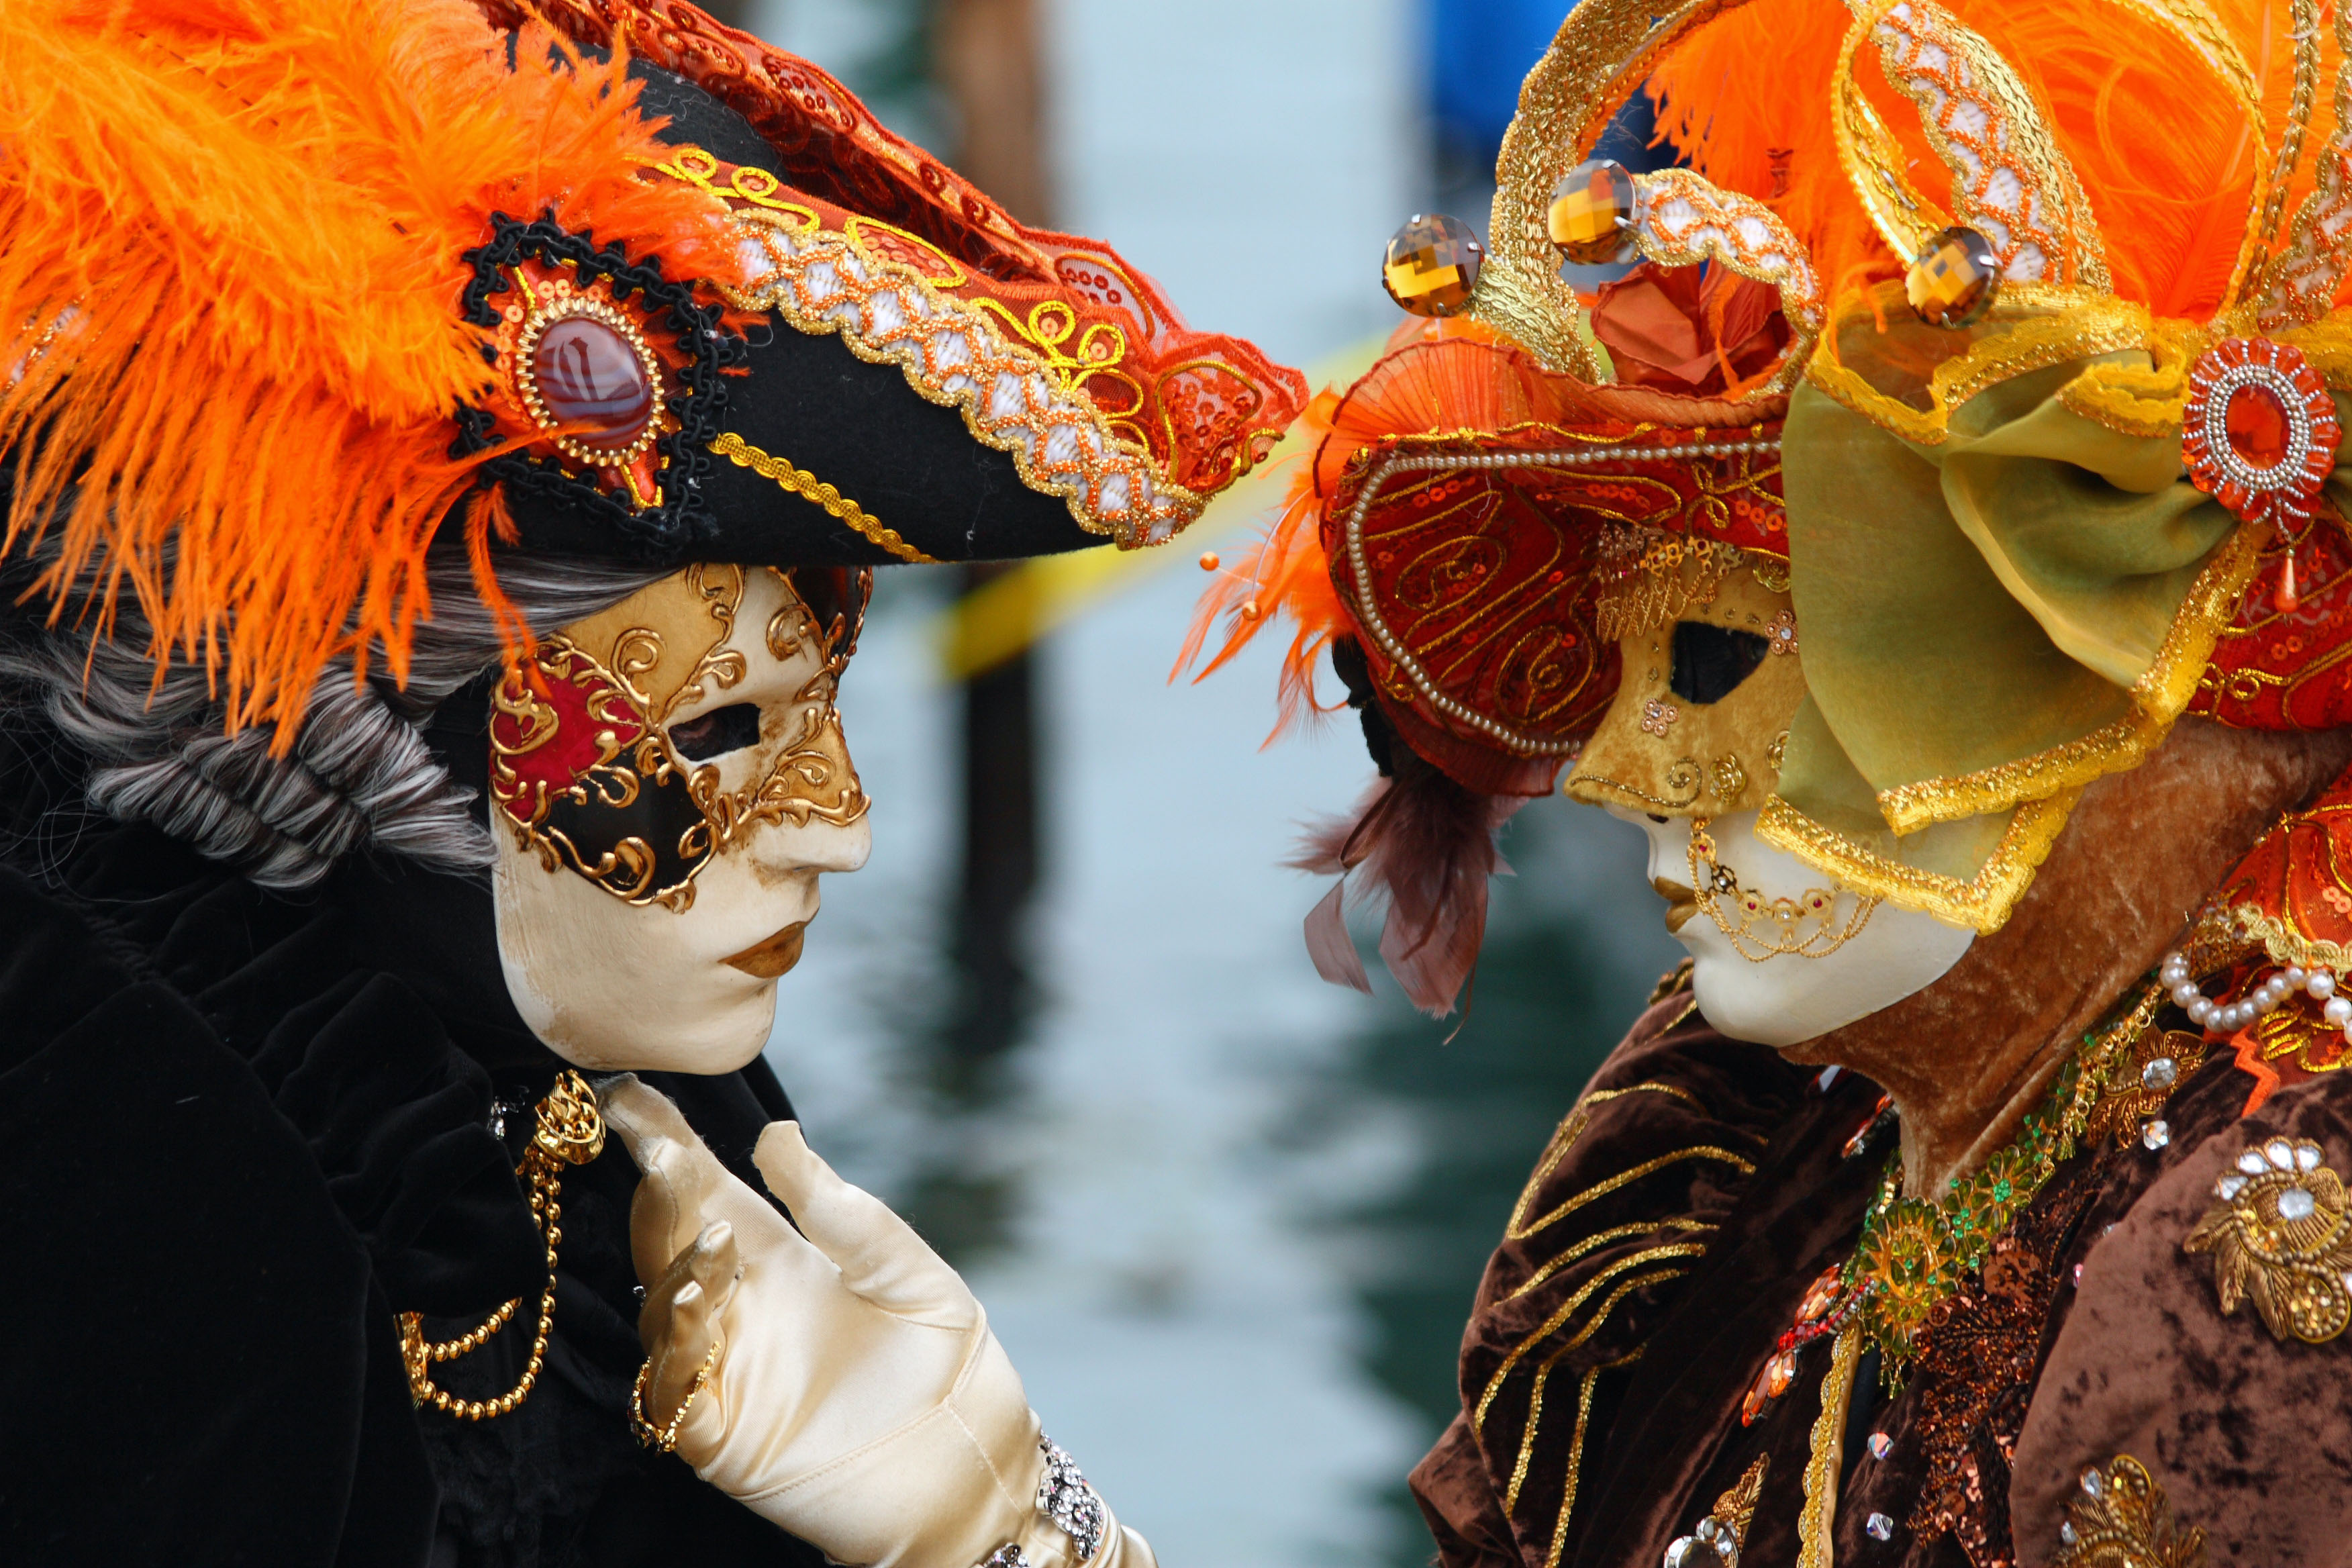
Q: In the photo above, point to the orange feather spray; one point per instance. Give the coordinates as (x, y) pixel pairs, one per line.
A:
(230, 296)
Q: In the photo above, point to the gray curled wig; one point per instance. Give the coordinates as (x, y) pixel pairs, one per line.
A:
(360, 775)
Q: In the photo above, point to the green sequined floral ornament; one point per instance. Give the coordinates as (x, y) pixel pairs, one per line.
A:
(1907, 1264)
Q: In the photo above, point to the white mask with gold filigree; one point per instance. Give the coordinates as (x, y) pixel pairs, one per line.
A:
(668, 781)
(1689, 752)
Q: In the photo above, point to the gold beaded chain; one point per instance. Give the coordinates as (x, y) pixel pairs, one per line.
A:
(569, 1131)
(666, 1437)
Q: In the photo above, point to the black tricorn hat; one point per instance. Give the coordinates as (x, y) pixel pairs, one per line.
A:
(298, 292)
(920, 377)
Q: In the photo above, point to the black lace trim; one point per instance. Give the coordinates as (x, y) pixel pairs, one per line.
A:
(696, 402)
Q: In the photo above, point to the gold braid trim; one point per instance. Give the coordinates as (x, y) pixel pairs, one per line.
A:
(807, 486)
(1814, 1547)
(2039, 326)
(2157, 697)
(1034, 408)
(1576, 1455)
(1590, 1288)
(1982, 903)
(2285, 944)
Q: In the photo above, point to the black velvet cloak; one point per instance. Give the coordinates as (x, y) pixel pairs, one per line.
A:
(238, 1132)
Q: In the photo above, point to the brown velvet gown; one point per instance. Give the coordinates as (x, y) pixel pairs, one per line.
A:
(1701, 1185)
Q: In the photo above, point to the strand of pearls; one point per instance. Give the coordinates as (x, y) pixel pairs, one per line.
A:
(2229, 1017)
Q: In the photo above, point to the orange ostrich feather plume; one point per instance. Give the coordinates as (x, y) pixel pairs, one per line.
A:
(237, 232)
(2174, 205)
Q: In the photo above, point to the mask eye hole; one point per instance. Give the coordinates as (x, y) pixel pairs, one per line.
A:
(717, 732)
(1711, 661)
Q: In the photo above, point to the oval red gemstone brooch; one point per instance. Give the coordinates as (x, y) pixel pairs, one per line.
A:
(2259, 432)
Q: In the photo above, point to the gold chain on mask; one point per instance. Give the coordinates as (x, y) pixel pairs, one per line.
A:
(568, 1130)
(1783, 921)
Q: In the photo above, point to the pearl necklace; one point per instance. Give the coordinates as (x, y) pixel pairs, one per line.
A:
(2229, 1017)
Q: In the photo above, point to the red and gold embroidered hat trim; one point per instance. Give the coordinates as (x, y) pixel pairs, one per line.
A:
(1467, 518)
(1061, 399)
(1199, 409)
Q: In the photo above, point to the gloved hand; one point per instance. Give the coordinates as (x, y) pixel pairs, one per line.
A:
(843, 1381)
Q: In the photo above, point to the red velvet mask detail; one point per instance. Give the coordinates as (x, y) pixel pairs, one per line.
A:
(582, 776)
(1489, 579)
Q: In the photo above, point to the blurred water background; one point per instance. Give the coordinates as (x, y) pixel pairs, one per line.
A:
(1227, 1219)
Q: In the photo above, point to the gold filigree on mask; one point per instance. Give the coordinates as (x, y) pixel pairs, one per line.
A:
(582, 766)
(587, 794)
(812, 781)
(1803, 926)
(786, 627)
(1726, 777)
(1658, 751)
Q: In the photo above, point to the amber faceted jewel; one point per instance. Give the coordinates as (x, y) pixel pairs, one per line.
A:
(2256, 423)
(1593, 211)
(1432, 265)
(593, 383)
(1955, 280)
(1819, 1297)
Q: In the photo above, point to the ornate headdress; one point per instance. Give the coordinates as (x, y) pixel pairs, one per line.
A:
(294, 289)
(2046, 444)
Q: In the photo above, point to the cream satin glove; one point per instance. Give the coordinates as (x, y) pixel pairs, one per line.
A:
(840, 1379)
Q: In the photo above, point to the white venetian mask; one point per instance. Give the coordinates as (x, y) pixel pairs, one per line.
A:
(668, 781)
(1688, 752)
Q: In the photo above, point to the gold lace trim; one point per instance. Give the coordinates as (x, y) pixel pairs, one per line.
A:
(1982, 903)
(2158, 699)
(1023, 402)
(2148, 402)
(1814, 1547)
(2079, 326)
(1982, 121)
